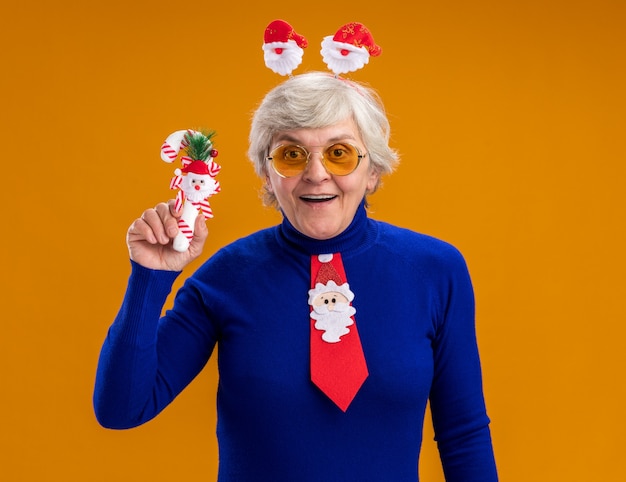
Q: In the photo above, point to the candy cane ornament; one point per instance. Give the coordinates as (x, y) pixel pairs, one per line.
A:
(195, 182)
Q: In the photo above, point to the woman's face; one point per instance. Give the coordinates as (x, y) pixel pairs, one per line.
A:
(319, 204)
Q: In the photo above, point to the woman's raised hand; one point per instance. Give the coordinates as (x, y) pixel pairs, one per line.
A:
(149, 239)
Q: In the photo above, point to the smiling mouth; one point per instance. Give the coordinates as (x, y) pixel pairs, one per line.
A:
(318, 198)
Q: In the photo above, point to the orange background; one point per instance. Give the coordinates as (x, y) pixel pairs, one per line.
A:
(510, 120)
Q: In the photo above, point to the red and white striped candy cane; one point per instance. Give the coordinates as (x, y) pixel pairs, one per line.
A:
(180, 199)
(214, 168)
(173, 144)
(176, 181)
(205, 207)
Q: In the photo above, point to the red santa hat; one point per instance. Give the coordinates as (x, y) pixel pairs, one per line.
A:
(328, 280)
(328, 273)
(197, 167)
(357, 35)
(281, 31)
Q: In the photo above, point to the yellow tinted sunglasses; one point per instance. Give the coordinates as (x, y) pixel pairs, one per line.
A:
(339, 159)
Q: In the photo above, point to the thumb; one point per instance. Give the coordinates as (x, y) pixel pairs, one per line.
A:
(200, 233)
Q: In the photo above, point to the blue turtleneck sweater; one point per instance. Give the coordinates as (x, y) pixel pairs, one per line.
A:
(415, 316)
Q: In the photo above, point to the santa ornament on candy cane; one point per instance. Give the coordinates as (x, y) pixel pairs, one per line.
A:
(195, 182)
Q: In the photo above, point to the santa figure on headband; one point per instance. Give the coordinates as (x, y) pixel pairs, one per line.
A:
(283, 48)
(349, 49)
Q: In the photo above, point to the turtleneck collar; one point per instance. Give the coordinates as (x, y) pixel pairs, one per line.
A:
(357, 235)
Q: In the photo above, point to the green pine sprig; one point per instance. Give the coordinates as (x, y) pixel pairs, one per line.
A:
(199, 145)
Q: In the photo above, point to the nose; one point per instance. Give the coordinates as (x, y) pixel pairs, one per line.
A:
(315, 170)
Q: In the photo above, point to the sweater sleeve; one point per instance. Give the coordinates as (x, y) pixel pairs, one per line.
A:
(146, 360)
(457, 403)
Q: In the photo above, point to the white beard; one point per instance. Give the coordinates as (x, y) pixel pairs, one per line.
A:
(286, 61)
(198, 195)
(334, 323)
(341, 64)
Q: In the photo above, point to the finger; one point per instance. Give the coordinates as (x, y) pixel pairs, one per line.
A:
(169, 221)
(139, 230)
(200, 234)
(173, 211)
(200, 229)
(154, 221)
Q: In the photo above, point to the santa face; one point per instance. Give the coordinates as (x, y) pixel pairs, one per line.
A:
(330, 301)
(318, 204)
(333, 315)
(198, 186)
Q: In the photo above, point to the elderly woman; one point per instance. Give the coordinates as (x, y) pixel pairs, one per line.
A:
(334, 330)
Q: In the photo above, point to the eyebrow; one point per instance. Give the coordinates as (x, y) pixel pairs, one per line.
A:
(289, 138)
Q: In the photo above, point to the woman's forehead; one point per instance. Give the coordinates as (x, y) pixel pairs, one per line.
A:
(342, 131)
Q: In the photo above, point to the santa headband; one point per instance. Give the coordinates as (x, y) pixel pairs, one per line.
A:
(348, 50)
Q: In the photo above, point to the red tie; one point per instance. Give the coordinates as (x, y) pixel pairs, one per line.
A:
(337, 362)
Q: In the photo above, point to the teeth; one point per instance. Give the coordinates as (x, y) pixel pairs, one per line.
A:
(318, 197)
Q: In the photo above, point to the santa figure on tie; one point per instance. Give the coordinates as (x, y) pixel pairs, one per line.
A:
(330, 304)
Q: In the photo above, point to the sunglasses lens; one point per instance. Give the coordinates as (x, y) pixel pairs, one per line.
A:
(289, 160)
(341, 159)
